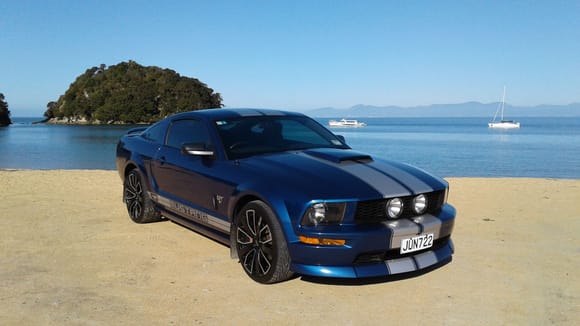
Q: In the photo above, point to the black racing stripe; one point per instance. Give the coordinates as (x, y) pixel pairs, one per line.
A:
(391, 177)
(260, 112)
(390, 237)
(415, 262)
(422, 175)
(420, 225)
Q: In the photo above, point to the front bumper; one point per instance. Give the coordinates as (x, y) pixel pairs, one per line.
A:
(412, 263)
(372, 250)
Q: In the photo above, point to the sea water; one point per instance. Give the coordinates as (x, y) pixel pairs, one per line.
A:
(24, 145)
(448, 147)
(542, 147)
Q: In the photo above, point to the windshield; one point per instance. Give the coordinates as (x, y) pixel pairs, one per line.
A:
(248, 136)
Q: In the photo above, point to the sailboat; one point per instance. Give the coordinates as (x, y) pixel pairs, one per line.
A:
(503, 124)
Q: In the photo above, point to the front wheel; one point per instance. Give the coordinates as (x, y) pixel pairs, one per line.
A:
(261, 245)
(140, 207)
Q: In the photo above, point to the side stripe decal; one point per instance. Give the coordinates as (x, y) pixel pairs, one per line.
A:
(192, 213)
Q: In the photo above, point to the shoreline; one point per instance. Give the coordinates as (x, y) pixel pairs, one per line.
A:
(8, 169)
(85, 122)
(70, 254)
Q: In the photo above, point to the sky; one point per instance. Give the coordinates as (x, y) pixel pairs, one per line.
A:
(301, 54)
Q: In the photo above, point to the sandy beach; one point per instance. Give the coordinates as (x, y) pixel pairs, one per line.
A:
(70, 255)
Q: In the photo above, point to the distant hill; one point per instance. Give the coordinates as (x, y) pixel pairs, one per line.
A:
(468, 110)
(129, 93)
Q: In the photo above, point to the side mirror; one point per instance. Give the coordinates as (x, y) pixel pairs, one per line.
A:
(341, 138)
(196, 149)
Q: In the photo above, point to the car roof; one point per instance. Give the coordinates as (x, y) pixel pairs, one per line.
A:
(219, 113)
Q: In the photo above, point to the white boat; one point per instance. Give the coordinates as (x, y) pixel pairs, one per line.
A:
(346, 123)
(502, 124)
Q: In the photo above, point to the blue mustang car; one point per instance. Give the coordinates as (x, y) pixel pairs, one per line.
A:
(286, 194)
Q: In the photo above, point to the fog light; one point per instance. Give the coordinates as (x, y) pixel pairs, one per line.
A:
(394, 207)
(420, 204)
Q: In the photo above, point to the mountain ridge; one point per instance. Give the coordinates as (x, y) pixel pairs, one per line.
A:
(466, 109)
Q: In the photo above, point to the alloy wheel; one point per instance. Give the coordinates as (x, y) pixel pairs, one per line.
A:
(134, 196)
(255, 244)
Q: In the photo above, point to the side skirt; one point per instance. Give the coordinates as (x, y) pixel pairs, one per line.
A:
(208, 232)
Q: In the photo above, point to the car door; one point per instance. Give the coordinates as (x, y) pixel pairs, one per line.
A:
(147, 146)
(190, 180)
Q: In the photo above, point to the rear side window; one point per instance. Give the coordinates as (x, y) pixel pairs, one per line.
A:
(187, 131)
(155, 133)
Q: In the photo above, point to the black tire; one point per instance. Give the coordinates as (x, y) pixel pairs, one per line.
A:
(140, 207)
(261, 245)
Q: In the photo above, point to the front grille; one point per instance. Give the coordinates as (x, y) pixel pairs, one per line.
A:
(375, 210)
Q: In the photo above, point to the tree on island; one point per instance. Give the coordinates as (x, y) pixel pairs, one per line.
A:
(4, 112)
(130, 93)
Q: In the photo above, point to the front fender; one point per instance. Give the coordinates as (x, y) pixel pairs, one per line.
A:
(274, 201)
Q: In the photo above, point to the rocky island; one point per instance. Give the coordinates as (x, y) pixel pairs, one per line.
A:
(129, 93)
(4, 112)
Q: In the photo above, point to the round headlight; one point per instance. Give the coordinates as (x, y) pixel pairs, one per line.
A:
(420, 204)
(324, 213)
(317, 213)
(394, 207)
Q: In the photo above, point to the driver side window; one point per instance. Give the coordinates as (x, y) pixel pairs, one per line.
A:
(187, 131)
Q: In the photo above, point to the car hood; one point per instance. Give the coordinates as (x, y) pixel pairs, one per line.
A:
(338, 174)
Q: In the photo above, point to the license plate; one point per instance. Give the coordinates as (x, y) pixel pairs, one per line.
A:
(417, 243)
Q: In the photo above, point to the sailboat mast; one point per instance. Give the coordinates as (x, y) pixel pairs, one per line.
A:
(504, 124)
(502, 102)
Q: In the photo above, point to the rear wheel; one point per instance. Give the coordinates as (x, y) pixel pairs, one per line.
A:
(261, 245)
(140, 207)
